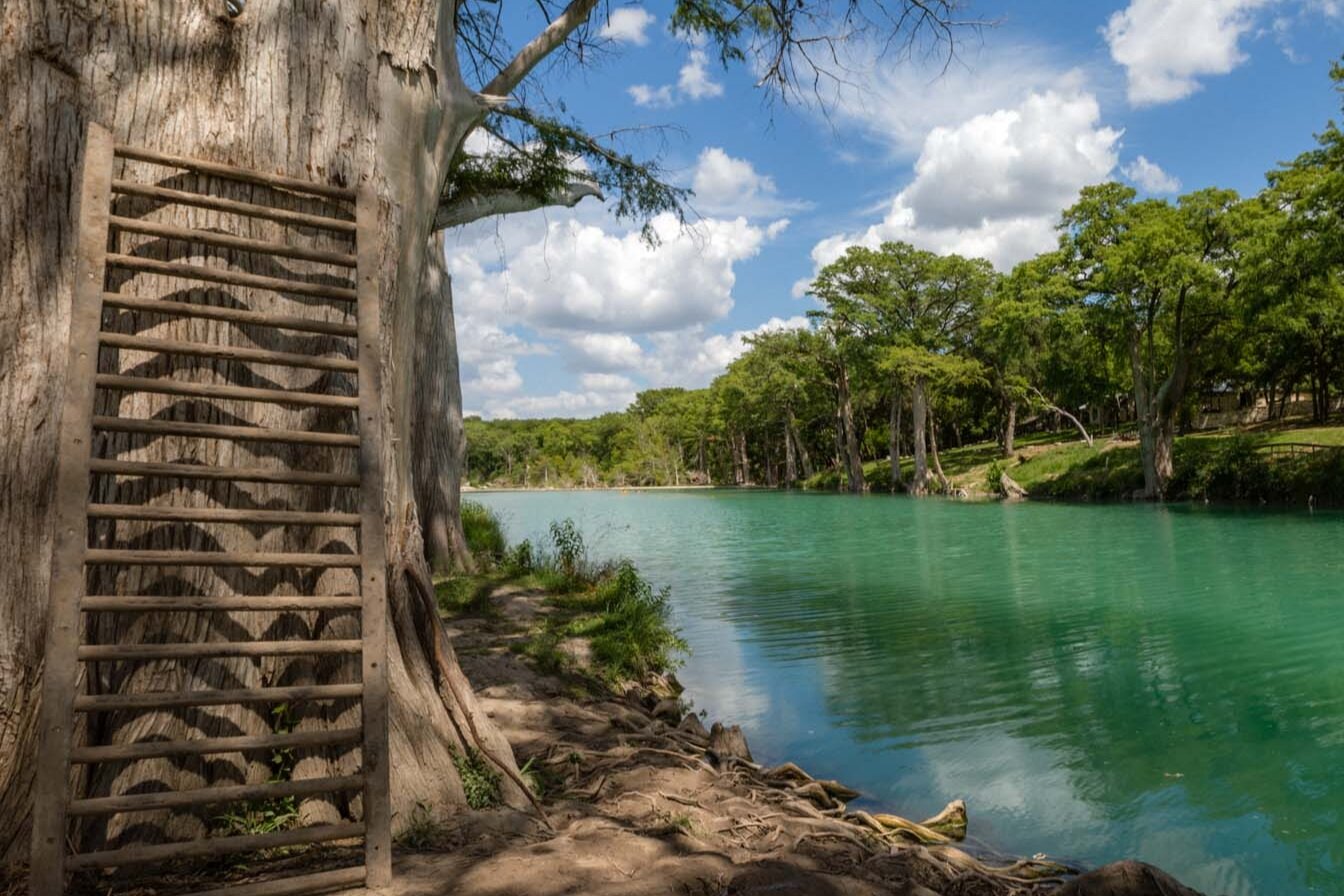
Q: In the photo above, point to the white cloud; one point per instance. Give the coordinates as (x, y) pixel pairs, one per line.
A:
(1166, 46)
(898, 101)
(1149, 177)
(694, 82)
(693, 357)
(580, 277)
(606, 351)
(622, 315)
(994, 185)
(694, 79)
(628, 24)
(727, 185)
(654, 97)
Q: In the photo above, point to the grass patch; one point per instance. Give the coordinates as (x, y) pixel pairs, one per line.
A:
(480, 782)
(484, 532)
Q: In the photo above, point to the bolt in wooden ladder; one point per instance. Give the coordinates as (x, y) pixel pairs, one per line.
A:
(72, 555)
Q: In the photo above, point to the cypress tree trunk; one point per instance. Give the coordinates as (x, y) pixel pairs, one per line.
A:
(1009, 428)
(919, 483)
(894, 440)
(333, 91)
(439, 451)
(849, 437)
(790, 460)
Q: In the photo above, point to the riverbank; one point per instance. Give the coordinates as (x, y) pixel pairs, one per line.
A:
(1292, 465)
(640, 798)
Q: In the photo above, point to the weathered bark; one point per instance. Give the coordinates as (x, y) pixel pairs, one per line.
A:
(849, 437)
(894, 440)
(1009, 427)
(332, 91)
(439, 451)
(803, 457)
(933, 451)
(919, 411)
(790, 459)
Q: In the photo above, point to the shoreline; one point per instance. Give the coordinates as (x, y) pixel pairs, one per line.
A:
(643, 799)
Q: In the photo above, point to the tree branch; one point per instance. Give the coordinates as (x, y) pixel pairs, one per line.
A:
(539, 47)
(475, 206)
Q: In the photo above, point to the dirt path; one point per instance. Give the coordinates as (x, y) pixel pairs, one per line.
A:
(643, 801)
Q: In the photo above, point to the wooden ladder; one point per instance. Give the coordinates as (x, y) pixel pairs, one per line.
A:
(61, 759)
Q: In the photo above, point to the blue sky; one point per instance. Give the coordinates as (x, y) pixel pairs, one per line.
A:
(569, 313)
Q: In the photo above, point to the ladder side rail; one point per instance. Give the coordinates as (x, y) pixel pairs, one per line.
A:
(48, 860)
(373, 550)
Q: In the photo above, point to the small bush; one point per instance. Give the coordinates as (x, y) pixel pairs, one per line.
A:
(994, 478)
(1228, 469)
(634, 638)
(521, 560)
(480, 782)
(483, 531)
(570, 551)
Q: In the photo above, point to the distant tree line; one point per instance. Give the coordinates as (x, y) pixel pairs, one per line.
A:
(1147, 312)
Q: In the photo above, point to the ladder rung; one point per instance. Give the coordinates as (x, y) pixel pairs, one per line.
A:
(210, 238)
(218, 558)
(210, 390)
(208, 745)
(171, 699)
(229, 277)
(207, 796)
(318, 882)
(192, 604)
(232, 206)
(213, 846)
(233, 315)
(226, 352)
(238, 474)
(232, 172)
(221, 515)
(92, 653)
(216, 431)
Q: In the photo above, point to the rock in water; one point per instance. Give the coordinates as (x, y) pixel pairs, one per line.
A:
(728, 743)
(1127, 878)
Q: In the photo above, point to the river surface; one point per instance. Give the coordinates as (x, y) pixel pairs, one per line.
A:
(1097, 682)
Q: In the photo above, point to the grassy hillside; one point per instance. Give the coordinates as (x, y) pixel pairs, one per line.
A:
(1268, 464)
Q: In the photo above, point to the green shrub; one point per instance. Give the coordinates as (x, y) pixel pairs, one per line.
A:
(480, 782)
(570, 551)
(483, 531)
(521, 560)
(994, 478)
(634, 637)
(1229, 469)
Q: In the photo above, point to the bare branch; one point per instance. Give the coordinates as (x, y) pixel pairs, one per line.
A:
(552, 36)
(474, 207)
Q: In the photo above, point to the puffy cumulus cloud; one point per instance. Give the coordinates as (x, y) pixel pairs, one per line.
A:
(994, 185)
(622, 315)
(579, 277)
(606, 351)
(694, 79)
(1166, 46)
(727, 185)
(1149, 176)
(694, 82)
(628, 24)
(693, 357)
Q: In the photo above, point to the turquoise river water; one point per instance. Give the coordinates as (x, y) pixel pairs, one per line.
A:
(1097, 682)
